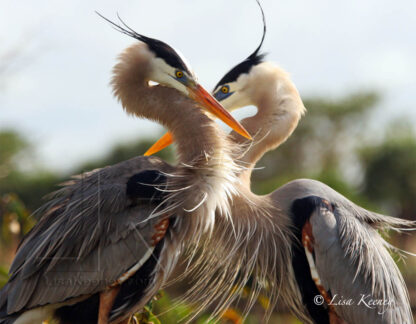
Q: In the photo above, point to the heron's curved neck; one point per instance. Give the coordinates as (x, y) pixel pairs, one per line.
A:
(279, 109)
(195, 134)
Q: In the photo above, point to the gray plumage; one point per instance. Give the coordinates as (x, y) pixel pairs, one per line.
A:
(352, 259)
(91, 232)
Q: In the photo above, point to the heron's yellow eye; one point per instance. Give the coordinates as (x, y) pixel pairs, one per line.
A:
(225, 89)
(179, 74)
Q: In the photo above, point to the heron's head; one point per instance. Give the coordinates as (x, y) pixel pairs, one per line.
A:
(235, 89)
(168, 67)
(161, 64)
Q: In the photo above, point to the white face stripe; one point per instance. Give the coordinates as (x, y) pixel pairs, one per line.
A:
(238, 97)
(165, 75)
(161, 70)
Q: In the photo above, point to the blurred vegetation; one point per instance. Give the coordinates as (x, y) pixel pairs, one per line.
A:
(332, 144)
(390, 174)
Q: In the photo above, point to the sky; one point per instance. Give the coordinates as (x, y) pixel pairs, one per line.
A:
(55, 90)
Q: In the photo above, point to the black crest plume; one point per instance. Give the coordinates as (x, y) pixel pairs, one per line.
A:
(256, 54)
(159, 48)
(255, 58)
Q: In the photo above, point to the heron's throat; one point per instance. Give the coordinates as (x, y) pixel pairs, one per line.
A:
(206, 165)
(278, 114)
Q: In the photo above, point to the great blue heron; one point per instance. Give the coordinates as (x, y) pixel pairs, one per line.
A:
(337, 261)
(108, 240)
(316, 249)
(340, 265)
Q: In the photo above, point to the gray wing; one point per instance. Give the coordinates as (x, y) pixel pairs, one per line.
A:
(91, 232)
(354, 265)
(351, 258)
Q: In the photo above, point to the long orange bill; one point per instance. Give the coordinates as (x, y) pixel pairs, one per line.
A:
(199, 94)
(163, 142)
(207, 101)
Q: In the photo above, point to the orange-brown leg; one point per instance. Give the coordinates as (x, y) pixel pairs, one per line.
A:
(108, 296)
(161, 229)
(107, 299)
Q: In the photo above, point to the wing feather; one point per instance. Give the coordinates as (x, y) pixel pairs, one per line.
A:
(91, 232)
(354, 263)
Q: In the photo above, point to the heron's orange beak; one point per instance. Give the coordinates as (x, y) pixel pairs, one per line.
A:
(207, 101)
(163, 142)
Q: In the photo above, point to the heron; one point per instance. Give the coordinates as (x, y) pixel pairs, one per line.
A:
(321, 253)
(338, 267)
(107, 241)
